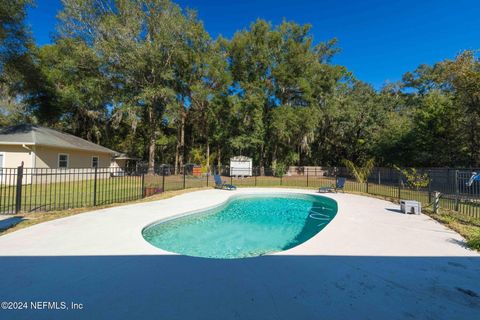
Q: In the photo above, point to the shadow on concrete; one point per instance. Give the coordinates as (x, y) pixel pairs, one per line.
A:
(394, 210)
(270, 287)
(10, 222)
(458, 242)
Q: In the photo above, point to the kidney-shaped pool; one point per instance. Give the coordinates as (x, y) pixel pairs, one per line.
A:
(244, 226)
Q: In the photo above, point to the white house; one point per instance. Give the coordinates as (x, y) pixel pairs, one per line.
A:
(39, 147)
(45, 149)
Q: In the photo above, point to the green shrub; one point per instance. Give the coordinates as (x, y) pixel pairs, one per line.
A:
(360, 173)
(280, 169)
(474, 241)
(200, 158)
(414, 178)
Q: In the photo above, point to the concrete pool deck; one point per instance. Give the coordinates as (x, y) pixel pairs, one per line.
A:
(370, 262)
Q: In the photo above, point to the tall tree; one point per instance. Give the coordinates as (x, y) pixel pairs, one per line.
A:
(73, 73)
(207, 97)
(445, 103)
(437, 128)
(14, 35)
(144, 76)
(15, 60)
(140, 42)
(353, 118)
(463, 75)
(280, 80)
(250, 62)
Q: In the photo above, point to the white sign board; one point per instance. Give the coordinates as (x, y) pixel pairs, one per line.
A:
(241, 166)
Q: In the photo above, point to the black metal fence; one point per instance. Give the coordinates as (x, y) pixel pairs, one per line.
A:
(38, 189)
(43, 189)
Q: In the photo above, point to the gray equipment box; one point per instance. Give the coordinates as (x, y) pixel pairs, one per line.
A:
(410, 206)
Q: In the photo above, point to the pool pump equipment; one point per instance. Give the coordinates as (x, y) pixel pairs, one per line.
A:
(410, 207)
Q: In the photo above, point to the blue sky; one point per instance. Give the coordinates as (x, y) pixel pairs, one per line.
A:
(380, 40)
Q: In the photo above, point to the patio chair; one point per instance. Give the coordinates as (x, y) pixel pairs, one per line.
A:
(219, 184)
(339, 185)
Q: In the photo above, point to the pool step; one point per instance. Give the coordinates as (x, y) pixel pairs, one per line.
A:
(320, 216)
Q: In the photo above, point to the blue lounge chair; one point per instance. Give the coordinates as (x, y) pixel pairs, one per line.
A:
(339, 185)
(219, 184)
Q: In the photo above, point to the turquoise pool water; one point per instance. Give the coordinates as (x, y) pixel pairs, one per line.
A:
(245, 226)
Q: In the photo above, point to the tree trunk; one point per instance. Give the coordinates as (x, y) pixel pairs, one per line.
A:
(151, 155)
(262, 161)
(180, 149)
(299, 156)
(274, 157)
(177, 155)
(208, 156)
(181, 154)
(151, 142)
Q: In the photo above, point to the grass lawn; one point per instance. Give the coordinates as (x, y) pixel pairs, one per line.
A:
(468, 227)
(71, 194)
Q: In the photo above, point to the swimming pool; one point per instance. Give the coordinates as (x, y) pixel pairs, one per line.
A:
(244, 226)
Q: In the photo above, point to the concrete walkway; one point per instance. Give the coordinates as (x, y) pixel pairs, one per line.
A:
(370, 262)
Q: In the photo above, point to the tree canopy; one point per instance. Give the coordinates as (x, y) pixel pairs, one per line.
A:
(146, 78)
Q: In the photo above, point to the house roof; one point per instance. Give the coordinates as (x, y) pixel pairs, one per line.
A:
(29, 134)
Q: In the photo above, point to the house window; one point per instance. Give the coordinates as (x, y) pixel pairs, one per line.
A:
(95, 162)
(63, 161)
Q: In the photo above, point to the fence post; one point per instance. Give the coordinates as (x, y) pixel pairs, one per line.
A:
(184, 176)
(429, 186)
(366, 182)
(436, 203)
(163, 179)
(255, 175)
(399, 186)
(281, 179)
(307, 177)
(456, 191)
(208, 174)
(143, 185)
(95, 188)
(335, 176)
(18, 198)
